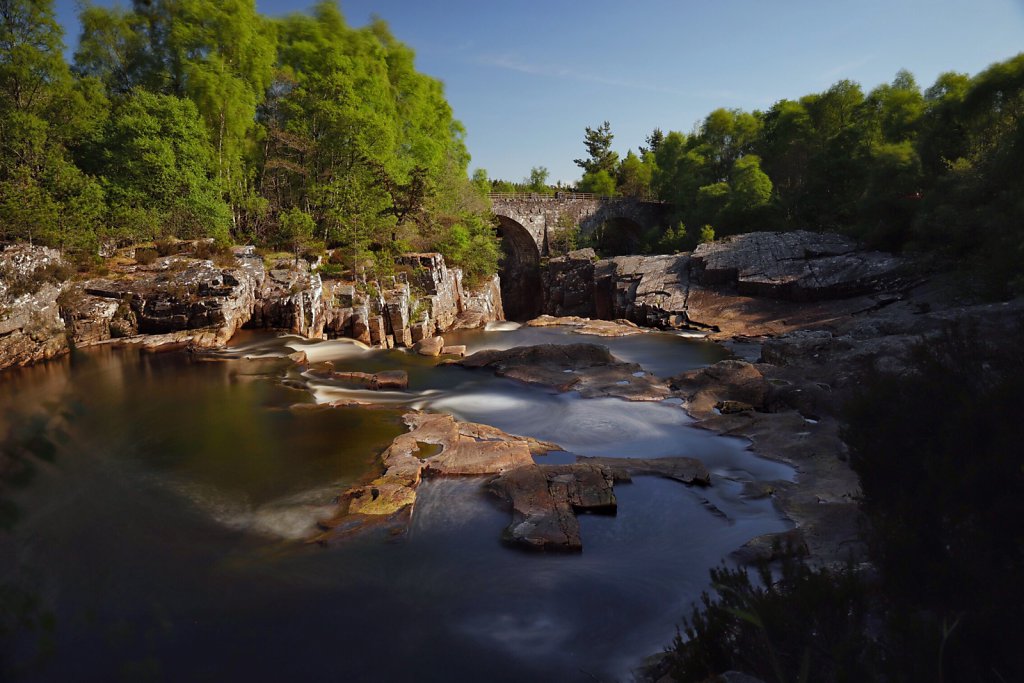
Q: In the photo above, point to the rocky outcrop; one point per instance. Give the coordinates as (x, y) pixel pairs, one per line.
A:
(545, 500)
(291, 298)
(753, 284)
(587, 368)
(31, 328)
(797, 266)
(436, 445)
(174, 300)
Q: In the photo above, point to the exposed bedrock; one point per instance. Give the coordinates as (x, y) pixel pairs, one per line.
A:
(31, 329)
(589, 369)
(756, 283)
(184, 300)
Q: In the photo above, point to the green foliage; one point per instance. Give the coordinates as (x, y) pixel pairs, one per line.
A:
(538, 181)
(635, 175)
(943, 488)
(601, 158)
(202, 118)
(674, 240)
(598, 182)
(565, 236)
(798, 625)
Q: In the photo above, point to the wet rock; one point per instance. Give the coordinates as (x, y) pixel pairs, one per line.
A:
(457, 350)
(431, 346)
(587, 368)
(545, 500)
(597, 328)
(733, 407)
(681, 469)
(462, 449)
(387, 380)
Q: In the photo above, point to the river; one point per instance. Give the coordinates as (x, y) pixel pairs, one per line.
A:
(165, 540)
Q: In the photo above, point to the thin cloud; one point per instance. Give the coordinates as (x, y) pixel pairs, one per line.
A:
(846, 68)
(555, 71)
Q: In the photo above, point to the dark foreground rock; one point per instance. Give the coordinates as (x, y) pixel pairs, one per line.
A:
(545, 499)
(589, 369)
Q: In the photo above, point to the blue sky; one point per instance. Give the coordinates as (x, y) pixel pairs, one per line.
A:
(526, 77)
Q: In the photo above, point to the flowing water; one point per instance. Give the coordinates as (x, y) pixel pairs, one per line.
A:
(165, 539)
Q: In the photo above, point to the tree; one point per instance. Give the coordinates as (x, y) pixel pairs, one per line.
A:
(599, 182)
(43, 195)
(598, 142)
(538, 180)
(158, 168)
(634, 175)
(297, 228)
(751, 188)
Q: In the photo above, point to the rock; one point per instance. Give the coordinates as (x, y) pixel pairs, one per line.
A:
(299, 358)
(481, 305)
(390, 380)
(681, 469)
(431, 346)
(292, 298)
(587, 368)
(175, 300)
(31, 327)
(463, 448)
(458, 350)
(798, 265)
(545, 498)
(380, 381)
(733, 407)
(597, 328)
(728, 381)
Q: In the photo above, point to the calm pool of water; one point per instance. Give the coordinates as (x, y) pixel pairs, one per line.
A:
(165, 539)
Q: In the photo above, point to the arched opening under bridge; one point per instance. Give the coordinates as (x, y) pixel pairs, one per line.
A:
(521, 290)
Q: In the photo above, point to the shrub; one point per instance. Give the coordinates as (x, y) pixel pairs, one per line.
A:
(806, 625)
(937, 448)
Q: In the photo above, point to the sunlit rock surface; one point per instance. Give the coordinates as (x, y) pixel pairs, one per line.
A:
(31, 328)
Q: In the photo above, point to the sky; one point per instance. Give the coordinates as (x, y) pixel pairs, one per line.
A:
(527, 77)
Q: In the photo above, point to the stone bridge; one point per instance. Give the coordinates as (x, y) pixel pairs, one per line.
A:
(527, 224)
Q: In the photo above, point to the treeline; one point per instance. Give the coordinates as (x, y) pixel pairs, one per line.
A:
(202, 118)
(937, 169)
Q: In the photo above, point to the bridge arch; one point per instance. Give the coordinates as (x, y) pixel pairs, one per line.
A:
(521, 293)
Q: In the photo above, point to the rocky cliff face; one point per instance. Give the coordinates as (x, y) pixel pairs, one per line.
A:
(184, 300)
(31, 328)
(757, 283)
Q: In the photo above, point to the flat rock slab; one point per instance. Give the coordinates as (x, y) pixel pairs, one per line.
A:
(545, 500)
(589, 369)
(681, 469)
(597, 328)
(436, 445)
(377, 381)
